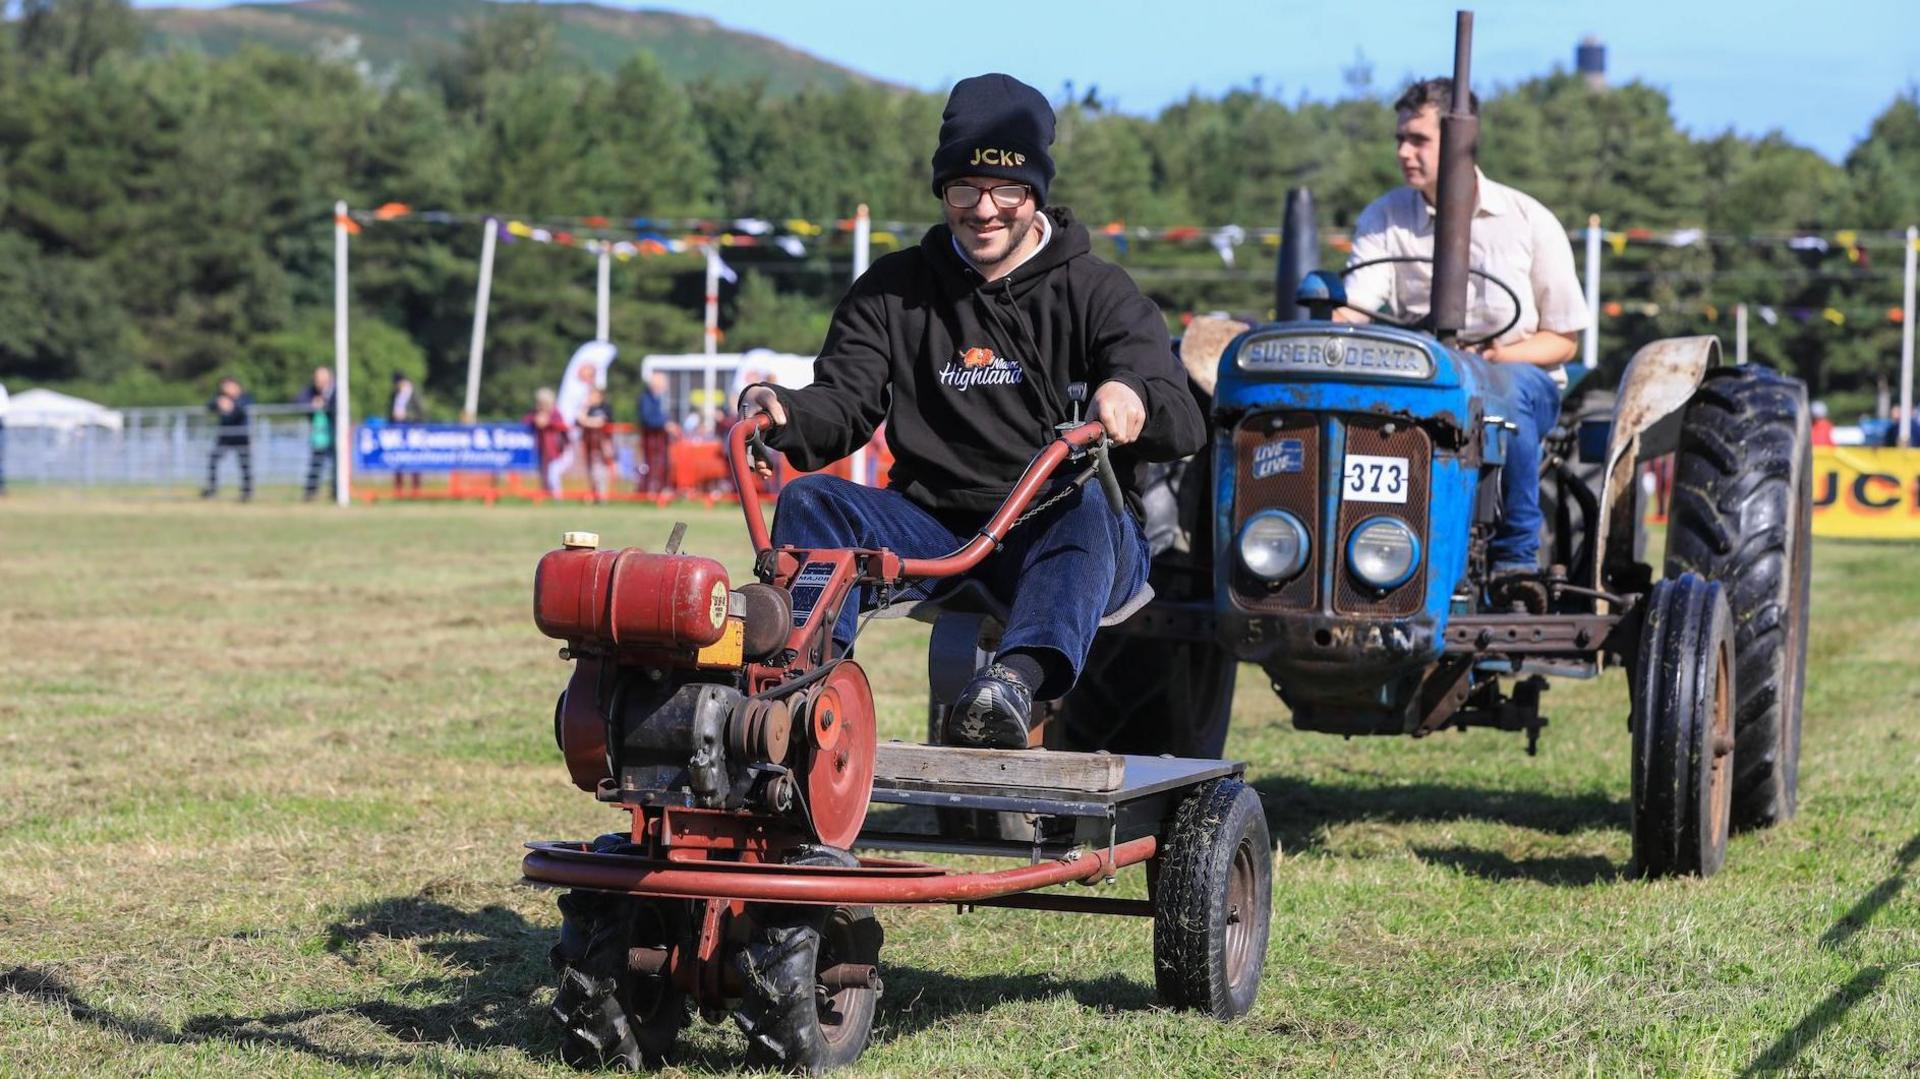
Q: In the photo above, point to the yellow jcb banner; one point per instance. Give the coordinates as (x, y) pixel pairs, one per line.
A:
(1866, 493)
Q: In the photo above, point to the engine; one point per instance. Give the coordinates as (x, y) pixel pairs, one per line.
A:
(685, 694)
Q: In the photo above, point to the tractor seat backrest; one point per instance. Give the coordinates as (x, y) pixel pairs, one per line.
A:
(1201, 345)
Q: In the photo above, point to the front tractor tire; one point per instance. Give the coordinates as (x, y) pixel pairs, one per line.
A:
(1742, 515)
(1683, 692)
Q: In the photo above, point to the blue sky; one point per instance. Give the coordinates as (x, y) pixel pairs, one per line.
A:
(1819, 72)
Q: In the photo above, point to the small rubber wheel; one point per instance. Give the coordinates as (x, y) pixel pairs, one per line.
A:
(1682, 689)
(608, 1015)
(1212, 901)
(790, 1020)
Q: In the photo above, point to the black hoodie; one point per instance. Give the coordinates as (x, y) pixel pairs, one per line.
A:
(978, 370)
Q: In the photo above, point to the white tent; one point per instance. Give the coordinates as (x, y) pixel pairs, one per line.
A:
(45, 408)
(697, 379)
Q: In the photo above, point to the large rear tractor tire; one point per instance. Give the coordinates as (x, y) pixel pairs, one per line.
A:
(1742, 515)
(1212, 901)
(1683, 692)
(1146, 696)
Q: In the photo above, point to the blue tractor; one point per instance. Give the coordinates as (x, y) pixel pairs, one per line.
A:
(1355, 487)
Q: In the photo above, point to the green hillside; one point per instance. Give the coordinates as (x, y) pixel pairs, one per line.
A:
(389, 33)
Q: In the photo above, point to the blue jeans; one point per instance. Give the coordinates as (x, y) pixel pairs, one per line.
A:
(1058, 574)
(1536, 406)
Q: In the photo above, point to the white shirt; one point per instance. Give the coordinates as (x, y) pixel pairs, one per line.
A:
(3, 402)
(1513, 237)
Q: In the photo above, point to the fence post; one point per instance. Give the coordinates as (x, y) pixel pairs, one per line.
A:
(603, 323)
(478, 344)
(1592, 349)
(342, 396)
(1906, 342)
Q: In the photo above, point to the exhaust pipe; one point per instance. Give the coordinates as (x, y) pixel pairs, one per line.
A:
(1452, 243)
(1299, 255)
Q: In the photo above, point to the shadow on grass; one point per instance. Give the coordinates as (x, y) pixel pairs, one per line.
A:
(1300, 812)
(1869, 905)
(496, 964)
(1572, 870)
(1788, 1047)
(918, 999)
(495, 959)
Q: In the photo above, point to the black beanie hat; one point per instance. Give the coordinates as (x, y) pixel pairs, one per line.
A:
(996, 125)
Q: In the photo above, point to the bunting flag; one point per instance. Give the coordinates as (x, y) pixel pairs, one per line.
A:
(1226, 239)
(1836, 316)
(689, 233)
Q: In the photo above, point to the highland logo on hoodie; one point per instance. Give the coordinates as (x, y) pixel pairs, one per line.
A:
(980, 367)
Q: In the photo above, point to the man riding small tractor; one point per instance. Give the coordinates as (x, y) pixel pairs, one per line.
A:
(742, 745)
(1358, 473)
(737, 730)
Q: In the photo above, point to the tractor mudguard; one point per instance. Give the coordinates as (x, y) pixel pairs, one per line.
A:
(1658, 381)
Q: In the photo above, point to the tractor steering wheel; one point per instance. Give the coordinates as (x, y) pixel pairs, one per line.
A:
(1425, 325)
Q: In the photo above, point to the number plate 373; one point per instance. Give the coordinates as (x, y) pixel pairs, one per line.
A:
(1374, 479)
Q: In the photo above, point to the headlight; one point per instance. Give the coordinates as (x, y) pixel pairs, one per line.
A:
(1273, 545)
(1383, 552)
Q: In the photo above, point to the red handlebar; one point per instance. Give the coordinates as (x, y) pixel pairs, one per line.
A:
(743, 480)
(958, 562)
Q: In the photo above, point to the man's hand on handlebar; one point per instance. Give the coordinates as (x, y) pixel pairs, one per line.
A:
(1120, 411)
(756, 400)
(759, 399)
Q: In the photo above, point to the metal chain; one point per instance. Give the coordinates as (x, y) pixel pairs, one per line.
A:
(1073, 485)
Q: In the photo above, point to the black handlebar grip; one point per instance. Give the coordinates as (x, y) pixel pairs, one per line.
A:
(1109, 479)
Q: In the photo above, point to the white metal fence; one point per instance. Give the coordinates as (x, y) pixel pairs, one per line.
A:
(153, 447)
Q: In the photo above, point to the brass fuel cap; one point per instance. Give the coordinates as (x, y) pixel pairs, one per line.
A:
(580, 541)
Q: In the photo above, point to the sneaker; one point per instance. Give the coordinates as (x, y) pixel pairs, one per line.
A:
(992, 711)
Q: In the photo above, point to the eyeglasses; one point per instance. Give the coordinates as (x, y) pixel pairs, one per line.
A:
(967, 196)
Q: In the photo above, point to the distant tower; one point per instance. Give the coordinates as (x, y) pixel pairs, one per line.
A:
(1590, 60)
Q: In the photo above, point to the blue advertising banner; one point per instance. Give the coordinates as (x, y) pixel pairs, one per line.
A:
(445, 447)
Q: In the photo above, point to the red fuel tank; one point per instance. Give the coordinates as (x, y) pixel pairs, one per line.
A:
(629, 598)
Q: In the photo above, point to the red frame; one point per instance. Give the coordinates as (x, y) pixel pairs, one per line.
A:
(724, 858)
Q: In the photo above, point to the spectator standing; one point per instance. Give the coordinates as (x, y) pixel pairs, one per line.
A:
(231, 405)
(1822, 430)
(596, 441)
(402, 408)
(1892, 437)
(324, 418)
(656, 473)
(550, 436)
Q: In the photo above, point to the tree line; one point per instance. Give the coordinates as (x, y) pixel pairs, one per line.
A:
(166, 218)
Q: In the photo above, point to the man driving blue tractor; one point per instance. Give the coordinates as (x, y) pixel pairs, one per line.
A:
(1514, 238)
(966, 346)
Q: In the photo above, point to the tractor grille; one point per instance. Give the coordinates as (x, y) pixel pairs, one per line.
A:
(1367, 435)
(1296, 491)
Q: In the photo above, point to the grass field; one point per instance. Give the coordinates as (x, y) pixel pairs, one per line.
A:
(265, 770)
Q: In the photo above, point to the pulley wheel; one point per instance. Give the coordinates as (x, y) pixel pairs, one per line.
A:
(839, 770)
